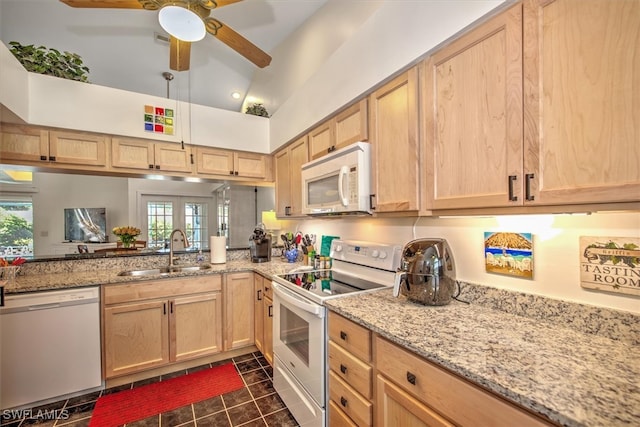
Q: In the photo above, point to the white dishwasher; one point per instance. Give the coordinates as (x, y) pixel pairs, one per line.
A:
(49, 346)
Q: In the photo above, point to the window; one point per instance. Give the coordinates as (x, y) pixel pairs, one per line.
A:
(166, 213)
(16, 226)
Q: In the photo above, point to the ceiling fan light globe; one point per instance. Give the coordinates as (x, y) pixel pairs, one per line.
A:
(182, 23)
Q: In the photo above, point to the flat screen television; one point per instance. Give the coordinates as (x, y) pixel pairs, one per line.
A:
(85, 225)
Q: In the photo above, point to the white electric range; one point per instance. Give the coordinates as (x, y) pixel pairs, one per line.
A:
(300, 320)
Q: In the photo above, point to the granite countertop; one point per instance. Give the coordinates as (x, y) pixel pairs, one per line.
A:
(571, 377)
(92, 277)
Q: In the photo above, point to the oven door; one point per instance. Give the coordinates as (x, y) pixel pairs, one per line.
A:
(299, 339)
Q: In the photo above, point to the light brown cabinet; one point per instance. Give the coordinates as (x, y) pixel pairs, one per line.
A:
(414, 390)
(581, 102)
(151, 324)
(238, 291)
(393, 135)
(530, 108)
(258, 311)
(35, 146)
(227, 163)
(288, 164)
(346, 127)
(267, 343)
(350, 371)
(473, 117)
(141, 154)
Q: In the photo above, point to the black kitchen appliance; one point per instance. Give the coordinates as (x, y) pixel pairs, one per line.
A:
(260, 245)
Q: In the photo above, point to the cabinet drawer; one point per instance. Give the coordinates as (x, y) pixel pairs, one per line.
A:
(163, 288)
(351, 369)
(339, 418)
(352, 337)
(355, 406)
(453, 397)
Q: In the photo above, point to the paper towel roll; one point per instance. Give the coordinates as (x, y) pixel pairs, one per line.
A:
(218, 246)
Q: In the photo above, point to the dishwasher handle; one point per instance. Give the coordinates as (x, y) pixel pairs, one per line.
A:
(1, 296)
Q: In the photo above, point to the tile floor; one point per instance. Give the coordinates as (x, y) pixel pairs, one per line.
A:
(257, 404)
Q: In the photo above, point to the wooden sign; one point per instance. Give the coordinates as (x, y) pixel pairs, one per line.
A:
(610, 264)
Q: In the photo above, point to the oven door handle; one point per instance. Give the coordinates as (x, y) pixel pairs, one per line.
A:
(290, 298)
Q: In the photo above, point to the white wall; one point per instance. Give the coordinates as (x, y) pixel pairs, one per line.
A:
(396, 33)
(555, 242)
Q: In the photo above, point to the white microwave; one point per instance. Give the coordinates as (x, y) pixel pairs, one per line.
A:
(338, 183)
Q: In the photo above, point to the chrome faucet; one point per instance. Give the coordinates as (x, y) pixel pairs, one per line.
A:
(172, 259)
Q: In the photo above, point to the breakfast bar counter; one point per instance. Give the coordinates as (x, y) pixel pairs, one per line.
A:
(565, 375)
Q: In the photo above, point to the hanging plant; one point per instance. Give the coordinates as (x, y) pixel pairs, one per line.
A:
(257, 109)
(51, 62)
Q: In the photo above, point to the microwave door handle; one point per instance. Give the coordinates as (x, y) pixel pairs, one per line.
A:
(344, 170)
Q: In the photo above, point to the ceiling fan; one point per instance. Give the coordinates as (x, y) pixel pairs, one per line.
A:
(180, 50)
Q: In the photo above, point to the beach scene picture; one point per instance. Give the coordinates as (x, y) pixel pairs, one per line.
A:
(509, 253)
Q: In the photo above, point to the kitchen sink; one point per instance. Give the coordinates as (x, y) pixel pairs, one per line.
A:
(165, 271)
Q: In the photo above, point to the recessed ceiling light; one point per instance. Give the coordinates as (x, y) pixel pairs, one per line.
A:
(235, 95)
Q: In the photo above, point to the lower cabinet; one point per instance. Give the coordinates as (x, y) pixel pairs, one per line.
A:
(267, 342)
(151, 324)
(238, 291)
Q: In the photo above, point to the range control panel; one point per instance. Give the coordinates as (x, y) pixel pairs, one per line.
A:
(379, 255)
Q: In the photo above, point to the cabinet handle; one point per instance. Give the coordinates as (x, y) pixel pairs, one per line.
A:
(230, 172)
(343, 335)
(411, 378)
(150, 166)
(371, 204)
(171, 307)
(236, 173)
(157, 166)
(343, 401)
(52, 158)
(191, 155)
(269, 311)
(287, 210)
(527, 187)
(512, 198)
(343, 369)
(43, 158)
(164, 308)
(259, 296)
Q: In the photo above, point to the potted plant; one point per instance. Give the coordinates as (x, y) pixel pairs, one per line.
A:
(51, 62)
(257, 109)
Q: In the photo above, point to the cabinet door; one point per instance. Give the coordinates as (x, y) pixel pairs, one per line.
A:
(395, 407)
(394, 144)
(195, 326)
(473, 117)
(250, 165)
(23, 143)
(214, 162)
(267, 344)
(283, 185)
(132, 154)
(258, 310)
(288, 164)
(351, 125)
(322, 139)
(171, 157)
(299, 156)
(136, 337)
(77, 148)
(238, 302)
(582, 108)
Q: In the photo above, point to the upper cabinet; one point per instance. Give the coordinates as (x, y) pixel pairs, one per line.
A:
(393, 134)
(346, 127)
(237, 164)
(536, 106)
(582, 101)
(288, 164)
(36, 146)
(472, 103)
(143, 154)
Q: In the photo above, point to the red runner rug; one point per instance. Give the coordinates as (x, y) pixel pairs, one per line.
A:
(141, 402)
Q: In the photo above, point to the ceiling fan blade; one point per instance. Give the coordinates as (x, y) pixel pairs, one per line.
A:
(236, 42)
(179, 54)
(213, 4)
(104, 4)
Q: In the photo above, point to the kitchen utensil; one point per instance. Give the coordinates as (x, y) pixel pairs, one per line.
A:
(427, 272)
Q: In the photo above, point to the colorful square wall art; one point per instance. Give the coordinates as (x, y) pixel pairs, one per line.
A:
(610, 264)
(158, 119)
(509, 253)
